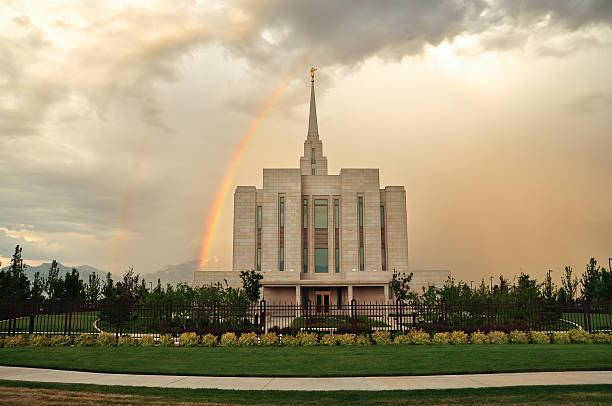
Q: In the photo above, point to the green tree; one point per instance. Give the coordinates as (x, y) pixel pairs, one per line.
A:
(591, 280)
(93, 289)
(400, 285)
(14, 284)
(549, 291)
(251, 283)
(52, 282)
(569, 284)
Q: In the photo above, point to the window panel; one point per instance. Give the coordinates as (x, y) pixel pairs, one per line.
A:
(305, 260)
(384, 259)
(361, 259)
(382, 216)
(320, 213)
(282, 259)
(336, 214)
(305, 211)
(259, 259)
(321, 260)
(282, 211)
(337, 260)
(360, 211)
(259, 217)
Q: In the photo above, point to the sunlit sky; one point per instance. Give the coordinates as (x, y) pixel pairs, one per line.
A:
(118, 120)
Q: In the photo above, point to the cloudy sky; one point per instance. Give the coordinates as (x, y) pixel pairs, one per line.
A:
(118, 120)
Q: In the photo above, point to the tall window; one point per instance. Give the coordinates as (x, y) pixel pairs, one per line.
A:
(312, 156)
(361, 250)
(320, 213)
(337, 234)
(336, 214)
(282, 211)
(258, 259)
(321, 258)
(282, 258)
(305, 260)
(382, 216)
(337, 259)
(360, 211)
(383, 238)
(313, 171)
(259, 217)
(258, 239)
(281, 233)
(361, 259)
(305, 234)
(305, 212)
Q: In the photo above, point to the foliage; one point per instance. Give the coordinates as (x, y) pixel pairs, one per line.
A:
(440, 338)
(93, 288)
(229, 340)
(61, 341)
(569, 286)
(1, 342)
(400, 285)
(479, 337)
(401, 339)
(14, 284)
(39, 341)
(248, 339)
(289, 340)
(596, 283)
(602, 338)
(362, 339)
(419, 337)
(268, 339)
(560, 338)
(251, 283)
(381, 337)
(579, 336)
(147, 341)
(15, 341)
(458, 337)
(517, 337)
(189, 340)
(497, 337)
(307, 339)
(209, 340)
(537, 337)
(106, 340)
(84, 340)
(329, 340)
(127, 341)
(346, 339)
(166, 340)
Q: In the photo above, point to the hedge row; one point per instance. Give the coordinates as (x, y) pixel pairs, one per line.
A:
(415, 337)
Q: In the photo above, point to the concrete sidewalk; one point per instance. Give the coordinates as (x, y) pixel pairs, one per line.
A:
(311, 384)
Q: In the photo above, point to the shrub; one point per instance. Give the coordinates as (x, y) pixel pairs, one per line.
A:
(268, 339)
(307, 339)
(401, 339)
(189, 340)
(497, 337)
(1, 342)
(599, 338)
(289, 340)
(419, 337)
(537, 337)
(479, 338)
(458, 337)
(381, 337)
(560, 338)
(127, 341)
(147, 341)
(209, 340)
(346, 339)
(84, 340)
(229, 340)
(440, 338)
(106, 340)
(579, 336)
(166, 340)
(248, 339)
(15, 341)
(61, 341)
(362, 340)
(329, 339)
(39, 341)
(517, 337)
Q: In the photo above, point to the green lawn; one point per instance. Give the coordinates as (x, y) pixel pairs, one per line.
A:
(598, 320)
(317, 361)
(26, 393)
(80, 322)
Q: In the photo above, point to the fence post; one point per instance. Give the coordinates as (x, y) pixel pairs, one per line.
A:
(262, 315)
(31, 329)
(353, 313)
(399, 310)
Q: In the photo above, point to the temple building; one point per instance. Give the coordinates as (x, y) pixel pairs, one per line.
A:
(320, 237)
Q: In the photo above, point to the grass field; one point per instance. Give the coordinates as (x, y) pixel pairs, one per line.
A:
(26, 393)
(317, 361)
(598, 320)
(80, 322)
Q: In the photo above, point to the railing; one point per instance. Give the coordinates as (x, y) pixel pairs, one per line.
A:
(137, 320)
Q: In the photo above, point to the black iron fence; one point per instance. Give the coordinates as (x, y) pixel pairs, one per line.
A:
(137, 320)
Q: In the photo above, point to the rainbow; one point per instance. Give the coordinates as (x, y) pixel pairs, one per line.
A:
(228, 178)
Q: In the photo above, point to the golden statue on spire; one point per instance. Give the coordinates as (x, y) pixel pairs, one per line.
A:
(312, 71)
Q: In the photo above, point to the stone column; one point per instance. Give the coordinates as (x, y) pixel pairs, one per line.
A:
(350, 294)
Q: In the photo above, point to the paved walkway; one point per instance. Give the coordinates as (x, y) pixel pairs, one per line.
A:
(311, 384)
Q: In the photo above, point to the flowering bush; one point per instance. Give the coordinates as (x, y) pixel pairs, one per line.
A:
(84, 340)
(602, 338)
(458, 337)
(289, 340)
(329, 339)
(268, 339)
(479, 338)
(497, 337)
(15, 341)
(517, 337)
(307, 339)
(346, 339)
(537, 337)
(381, 337)
(248, 340)
(167, 340)
(147, 341)
(209, 340)
(419, 337)
(440, 338)
(39, 341)
(229, 340)
(189, 340)
(561, 338)
(106, 340)
(61, 341)
(363, 340)
(127, 341)
(579, 336)
(401, 339)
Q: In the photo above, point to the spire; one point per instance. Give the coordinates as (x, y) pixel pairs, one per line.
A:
(313, 127)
